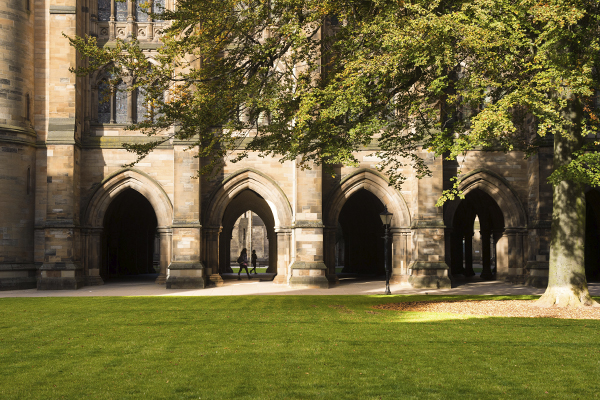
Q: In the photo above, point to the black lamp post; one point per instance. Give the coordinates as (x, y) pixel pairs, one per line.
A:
(386, 218)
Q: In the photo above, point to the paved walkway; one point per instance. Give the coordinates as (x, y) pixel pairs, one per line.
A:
(257, 287)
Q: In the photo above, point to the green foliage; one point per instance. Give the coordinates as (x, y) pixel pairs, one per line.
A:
(276, 347)
(331, 77)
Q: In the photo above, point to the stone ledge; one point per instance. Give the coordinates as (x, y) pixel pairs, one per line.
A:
(60, 283)
(309, 282)
(60, 266)
(308, 265)
(17, 266)
(18, 283)
(184, 282)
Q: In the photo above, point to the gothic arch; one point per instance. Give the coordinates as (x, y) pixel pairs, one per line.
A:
(259, 183)
(122, 180)
(497, 188)
(375, 183)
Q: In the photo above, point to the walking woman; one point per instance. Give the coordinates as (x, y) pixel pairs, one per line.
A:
(243, 262)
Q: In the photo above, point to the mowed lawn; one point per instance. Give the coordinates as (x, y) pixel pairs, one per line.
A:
(286, 347)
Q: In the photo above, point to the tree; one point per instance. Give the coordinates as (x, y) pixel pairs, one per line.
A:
(318, 80)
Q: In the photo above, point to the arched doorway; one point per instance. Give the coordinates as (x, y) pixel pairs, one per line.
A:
(592, 236)
(477, 226)
(353, 208)
(128, 238)
(142, 197)
(503, 228)
(361, 232)
(247, 190)
(247, 211)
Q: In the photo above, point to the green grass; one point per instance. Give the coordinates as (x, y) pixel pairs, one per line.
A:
(259, 270)
(292, 347)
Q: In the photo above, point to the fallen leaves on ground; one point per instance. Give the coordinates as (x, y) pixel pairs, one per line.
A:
(494, 308)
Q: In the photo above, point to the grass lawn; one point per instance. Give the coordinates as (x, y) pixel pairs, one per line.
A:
(293, 347)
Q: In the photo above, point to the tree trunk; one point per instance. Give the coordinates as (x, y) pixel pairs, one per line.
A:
(567, 286)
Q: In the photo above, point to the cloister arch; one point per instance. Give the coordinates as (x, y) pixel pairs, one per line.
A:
(264, 197)
(377, 185)
(502, 217)
(101, 199)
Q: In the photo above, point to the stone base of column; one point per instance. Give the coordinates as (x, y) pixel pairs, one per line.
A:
(516, 276)
(161, 280)
(215, 280)
(487, 275)
(60, 276)
(17, 276)
(185, 276)
(537, 274)
(400, 279)
(429, 275)
(94, 281)
(309, 275)
(333, 279)
(280, 279)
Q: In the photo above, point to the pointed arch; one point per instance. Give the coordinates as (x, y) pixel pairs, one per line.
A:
(375, 183)
(115, 184)
(498, 189)
(259, 183)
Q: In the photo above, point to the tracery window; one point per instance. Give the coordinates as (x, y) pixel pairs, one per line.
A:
(122, 19)
(117, 105)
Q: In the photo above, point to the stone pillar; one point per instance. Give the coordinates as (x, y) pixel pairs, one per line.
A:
(308, 269)
(62, 266)
(469, 253)
(486, 272)
(186, 271)
(92, 246)
(211, 238)
(400, 253)
(329, 254)
(456, 255)
(501, 250)
(165, 235)
(428, 268)
(516, 254)
(283, 254)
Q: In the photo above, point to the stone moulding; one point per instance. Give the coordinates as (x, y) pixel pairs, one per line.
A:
(426, 275)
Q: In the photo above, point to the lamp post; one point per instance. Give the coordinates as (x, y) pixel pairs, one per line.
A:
(386, 218)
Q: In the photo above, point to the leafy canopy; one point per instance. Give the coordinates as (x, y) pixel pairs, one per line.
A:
(316, 80)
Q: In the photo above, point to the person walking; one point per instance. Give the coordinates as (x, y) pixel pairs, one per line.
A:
(253, 259)
(243, 262)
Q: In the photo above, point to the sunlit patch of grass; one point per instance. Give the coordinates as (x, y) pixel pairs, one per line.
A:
(272, 347)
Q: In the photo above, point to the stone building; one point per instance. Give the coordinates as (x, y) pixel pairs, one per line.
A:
(71, 215)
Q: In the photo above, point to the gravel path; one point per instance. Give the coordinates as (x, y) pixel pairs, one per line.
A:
(494, 308)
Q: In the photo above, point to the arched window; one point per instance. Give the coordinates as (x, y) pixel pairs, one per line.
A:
(121, 105)
(104, 10)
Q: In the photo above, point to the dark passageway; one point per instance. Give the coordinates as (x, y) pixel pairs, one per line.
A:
(129, 237)
(362, 233)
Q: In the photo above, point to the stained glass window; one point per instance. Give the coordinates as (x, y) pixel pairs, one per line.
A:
(121, 10)
(158, 6)
(141, 105)
(104, 10)
(141, 9)
(104, 102)
(121, 103)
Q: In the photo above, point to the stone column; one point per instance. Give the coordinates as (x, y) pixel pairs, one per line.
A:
(62, 266)
(516, 254)
(486, 255)
(329, 254)
(92, 242)
(428, 268)
(400, 252)
(308, 269)
(211, 238)
(501, 250)
(469, 253)
(283, 254)
(456, 256)
(165, 235)
(186, 271)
